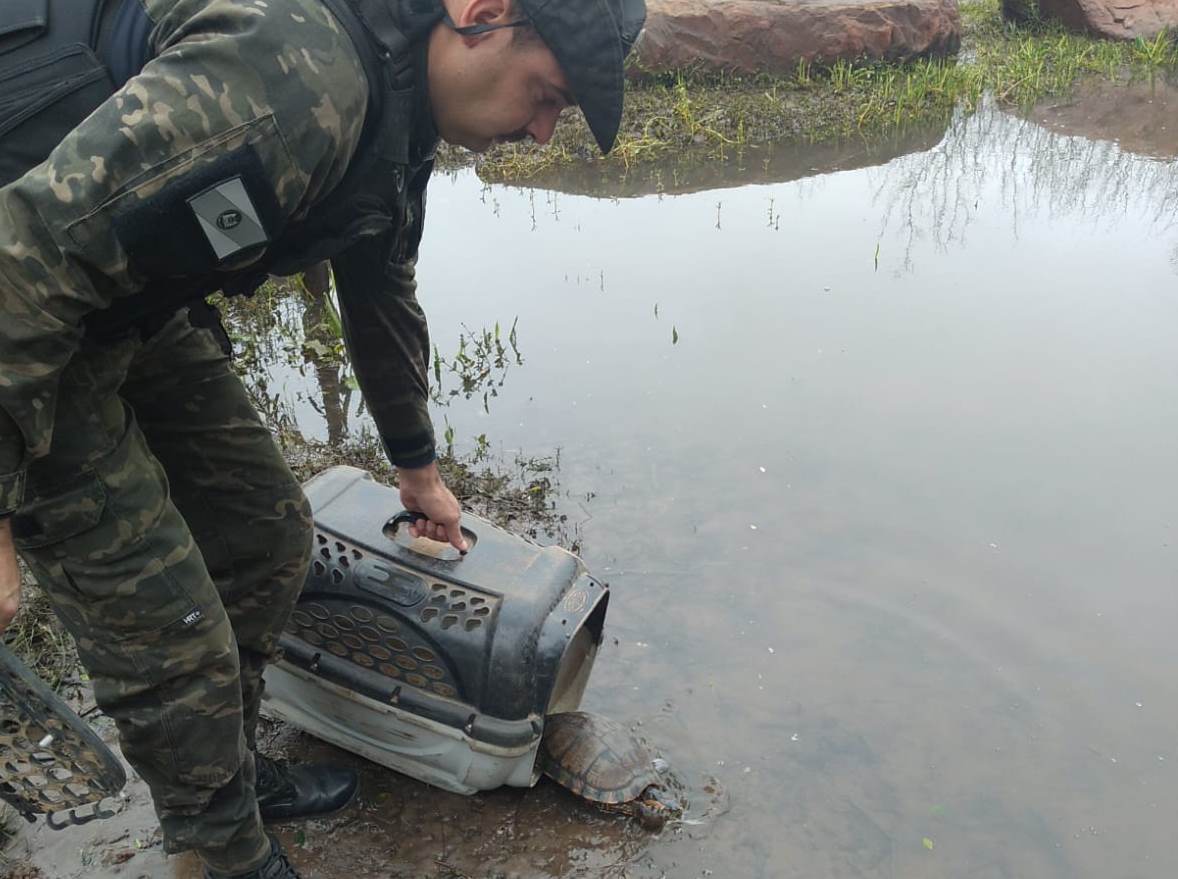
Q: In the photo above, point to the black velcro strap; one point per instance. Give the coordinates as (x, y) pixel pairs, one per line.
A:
(164, 235)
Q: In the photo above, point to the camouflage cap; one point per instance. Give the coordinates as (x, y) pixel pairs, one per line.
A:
(591, 39)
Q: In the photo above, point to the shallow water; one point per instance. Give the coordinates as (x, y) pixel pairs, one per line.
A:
(880, 466)
(879, 463)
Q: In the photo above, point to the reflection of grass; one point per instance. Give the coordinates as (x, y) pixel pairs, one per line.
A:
(480, 365)
(1017, 65)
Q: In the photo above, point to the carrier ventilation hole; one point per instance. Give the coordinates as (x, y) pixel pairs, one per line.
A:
(458, 605)
(339, 547)
(343, 561)
(325, 552)
(476, 601)
(473, 623)
(482, 611)
(320, 568)
(301, 618)
(357, 555)
(349, 636)
(337, 576)
(321, 538)
(318, 611)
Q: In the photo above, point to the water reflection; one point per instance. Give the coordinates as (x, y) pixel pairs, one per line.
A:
(696, 171)
(322, 349)
(293, 328)
(1142, 118)
(1036, 172)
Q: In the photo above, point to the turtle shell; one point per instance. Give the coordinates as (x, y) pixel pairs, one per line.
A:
(595, 757)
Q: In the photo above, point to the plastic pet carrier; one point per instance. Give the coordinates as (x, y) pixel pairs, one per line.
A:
(439, 666)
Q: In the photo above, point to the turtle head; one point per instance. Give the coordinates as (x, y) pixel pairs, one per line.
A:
(655, 807)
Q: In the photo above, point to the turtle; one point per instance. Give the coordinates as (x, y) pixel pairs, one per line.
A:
(600, 761)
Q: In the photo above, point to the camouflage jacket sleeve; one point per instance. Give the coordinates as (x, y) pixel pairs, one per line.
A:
(386, 335)
(273, 91)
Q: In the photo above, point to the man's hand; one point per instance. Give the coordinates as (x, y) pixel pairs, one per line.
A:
(9, 576)
(422, 491)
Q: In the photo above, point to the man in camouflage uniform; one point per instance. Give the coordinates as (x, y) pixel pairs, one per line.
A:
(136, 480)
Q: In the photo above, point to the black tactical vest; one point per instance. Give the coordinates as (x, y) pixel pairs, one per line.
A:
(60, 59)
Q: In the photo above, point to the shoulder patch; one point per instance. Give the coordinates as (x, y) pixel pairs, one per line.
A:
(228, 218)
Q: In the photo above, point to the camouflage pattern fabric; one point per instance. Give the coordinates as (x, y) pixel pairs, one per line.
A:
(149, 500)
(173, 541)
(272, 91)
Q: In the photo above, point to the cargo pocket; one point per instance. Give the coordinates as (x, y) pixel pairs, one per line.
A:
(120, 560)
(44, 98)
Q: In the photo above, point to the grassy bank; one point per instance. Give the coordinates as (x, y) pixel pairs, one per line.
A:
(1017, 65)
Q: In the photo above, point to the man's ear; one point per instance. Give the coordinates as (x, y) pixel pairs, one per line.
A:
(483, 12)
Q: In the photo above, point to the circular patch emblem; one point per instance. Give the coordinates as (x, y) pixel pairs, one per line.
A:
(575, 601)
(228, 219)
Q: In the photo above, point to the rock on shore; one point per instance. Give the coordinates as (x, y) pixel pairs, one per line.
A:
(772, 36)
(1118, 19)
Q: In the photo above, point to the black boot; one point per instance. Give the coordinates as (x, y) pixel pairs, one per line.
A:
(275, 867)
(289, 792)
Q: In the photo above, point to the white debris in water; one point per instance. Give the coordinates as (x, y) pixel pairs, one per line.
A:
(993, 546)
(762, 469)
(747, 769)
(770, 649)
(1138, 704)
(641, 644)
(46, 742)
(764, 405)
(794, 737)
(752, 527)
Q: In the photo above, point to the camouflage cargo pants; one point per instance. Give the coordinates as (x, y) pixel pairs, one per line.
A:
(172, 539)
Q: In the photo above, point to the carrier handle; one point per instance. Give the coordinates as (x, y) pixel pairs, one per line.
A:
(406, 517)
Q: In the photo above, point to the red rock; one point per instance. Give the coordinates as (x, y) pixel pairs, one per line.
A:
(771, 36)
(1118, 19)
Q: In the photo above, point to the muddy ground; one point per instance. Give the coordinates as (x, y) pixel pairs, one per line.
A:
(396, 829)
